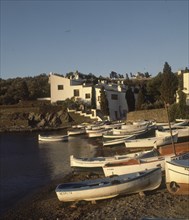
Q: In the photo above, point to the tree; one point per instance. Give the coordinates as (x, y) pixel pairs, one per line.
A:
(140, 99)
(130, 99)
(24, 92)
(93, 98)
(104, 105)
(169, 85)
(113, 75)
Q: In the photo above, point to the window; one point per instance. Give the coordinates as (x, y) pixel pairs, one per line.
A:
(76, 92)
(114, 97)
(87, 96)
(60, 87)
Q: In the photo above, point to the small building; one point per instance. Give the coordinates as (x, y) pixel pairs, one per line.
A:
(186, 86)
(63, 88)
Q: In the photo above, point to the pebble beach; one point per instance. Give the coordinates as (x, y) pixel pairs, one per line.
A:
(43, 204)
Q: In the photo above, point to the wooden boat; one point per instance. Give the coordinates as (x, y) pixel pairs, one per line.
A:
(177, 124)
(98, 133)
(130, 129)
(117, 140)
(76, 131)
(183, 131)
(151, 142)
(111, 135)
(53, 138)
(179, 148)
(109, 187)
(177, 175)
(135, 164)
(98, 162)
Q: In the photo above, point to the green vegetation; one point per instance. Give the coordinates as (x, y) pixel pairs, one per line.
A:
(20, 89)
(151, 93)
(104, 102)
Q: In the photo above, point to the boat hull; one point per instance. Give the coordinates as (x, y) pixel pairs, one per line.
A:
(109, 187)
(135, 165)
(177, 176)
(52, 138)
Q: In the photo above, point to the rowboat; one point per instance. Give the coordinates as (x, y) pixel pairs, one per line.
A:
(76, 131)
(123, 135)
(109, 187)
(53, 138)
(117, 140)
(98, 133)
(177, 175)
(151, 142)
(179, 148)
(134, 165)
(139, 164)
(130, 129)
(99, 162)
(183, 131)
(177, 124)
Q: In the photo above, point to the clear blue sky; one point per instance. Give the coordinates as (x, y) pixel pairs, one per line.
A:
(93, 36)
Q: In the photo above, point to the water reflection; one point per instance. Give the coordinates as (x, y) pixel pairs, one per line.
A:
(27, 164)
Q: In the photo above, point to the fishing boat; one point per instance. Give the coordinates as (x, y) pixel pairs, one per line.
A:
(139, 164)
(177, 175)
(133, 165)
(161, 140)
(117, 141)
(111, 135)
(183, 131)
(76, 131)
(109, 187)
(53, 138)
(130, 129)
(99, 162)
(98, 133)
(178, 148)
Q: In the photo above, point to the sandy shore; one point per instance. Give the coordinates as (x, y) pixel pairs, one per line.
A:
(44, 205)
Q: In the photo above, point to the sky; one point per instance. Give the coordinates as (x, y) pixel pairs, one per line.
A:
(95, 37)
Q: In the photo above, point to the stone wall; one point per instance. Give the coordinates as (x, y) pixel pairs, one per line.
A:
(159, 115)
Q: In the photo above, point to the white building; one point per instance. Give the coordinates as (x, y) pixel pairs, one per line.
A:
(186, 86)
(62, 88)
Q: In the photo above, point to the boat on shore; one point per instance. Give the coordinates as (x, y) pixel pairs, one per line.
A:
(138, 164)
(109, 187)
(99, 162)
(53, 138)
(163, 139)
(117, 140)
(177, 175)
(76, 131)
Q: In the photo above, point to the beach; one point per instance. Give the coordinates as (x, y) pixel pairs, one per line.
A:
(44, 204)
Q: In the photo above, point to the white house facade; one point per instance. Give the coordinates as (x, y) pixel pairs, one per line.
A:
(186, 86)
(62, 88)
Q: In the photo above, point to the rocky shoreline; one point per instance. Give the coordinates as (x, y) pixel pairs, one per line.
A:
(44, 205)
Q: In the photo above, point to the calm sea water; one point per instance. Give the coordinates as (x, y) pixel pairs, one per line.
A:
(27, 164)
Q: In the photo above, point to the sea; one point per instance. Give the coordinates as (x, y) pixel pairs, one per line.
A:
(27, 164)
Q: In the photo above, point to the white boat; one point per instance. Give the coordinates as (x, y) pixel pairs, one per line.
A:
(76, 131)
(53, 138)
(134, 165)
(98, 133)
(177, 124)
(177, 175)
(130, 129)
(183, 131)
(151, 142)
(111, 142)
(109, 187)
(110, 135)
(98, 162)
